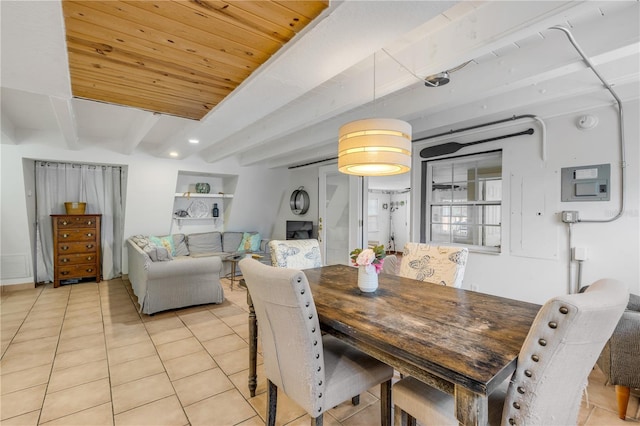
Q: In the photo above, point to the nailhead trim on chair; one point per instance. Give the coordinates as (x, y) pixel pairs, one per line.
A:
(528, 373)
(313, 330)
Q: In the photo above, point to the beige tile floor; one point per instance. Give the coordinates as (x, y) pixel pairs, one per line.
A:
(81, 354)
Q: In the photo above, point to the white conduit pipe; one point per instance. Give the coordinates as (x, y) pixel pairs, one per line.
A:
(620, 123)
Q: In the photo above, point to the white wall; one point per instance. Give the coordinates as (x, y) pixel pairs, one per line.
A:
(150, 189)
(533, 265)
(308, 178)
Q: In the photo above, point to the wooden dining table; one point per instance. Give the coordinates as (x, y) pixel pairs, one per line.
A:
(462, 342)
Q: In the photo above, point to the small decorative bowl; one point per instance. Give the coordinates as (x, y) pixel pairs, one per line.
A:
(203, 188)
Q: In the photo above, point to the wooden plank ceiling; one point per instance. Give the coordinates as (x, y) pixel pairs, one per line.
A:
(175, 57)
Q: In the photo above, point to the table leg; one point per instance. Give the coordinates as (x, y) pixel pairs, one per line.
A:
(253, 346)
(233, 273)
(470, 408)
(385, 403)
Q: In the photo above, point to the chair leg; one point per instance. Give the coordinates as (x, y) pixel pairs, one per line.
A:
(317, 421)
(402, 418)
(622, 395)
(272, 403)
(385, 403)
(411, 421)
(355, 400)
(397, 416)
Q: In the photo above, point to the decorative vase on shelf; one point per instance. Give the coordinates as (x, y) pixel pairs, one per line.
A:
(203, 188)
(367, 279)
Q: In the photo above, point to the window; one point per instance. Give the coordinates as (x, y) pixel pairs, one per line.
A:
(463, 201)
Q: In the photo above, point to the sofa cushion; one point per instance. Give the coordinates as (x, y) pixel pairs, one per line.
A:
(250, 242)
(231, 241)
(180, 243)
(165, 241)
(203, 244)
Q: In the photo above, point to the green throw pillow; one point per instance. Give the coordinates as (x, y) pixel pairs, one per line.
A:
(166, 242)
(250, 242)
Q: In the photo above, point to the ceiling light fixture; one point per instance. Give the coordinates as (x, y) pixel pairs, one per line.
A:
(173, 154)
(194, 141)
(374, 146)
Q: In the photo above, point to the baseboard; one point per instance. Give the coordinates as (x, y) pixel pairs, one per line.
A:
(17, 287)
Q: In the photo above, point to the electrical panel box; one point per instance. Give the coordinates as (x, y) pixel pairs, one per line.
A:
(586, 183)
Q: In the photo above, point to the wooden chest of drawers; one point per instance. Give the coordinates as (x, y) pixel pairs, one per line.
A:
(76, 247)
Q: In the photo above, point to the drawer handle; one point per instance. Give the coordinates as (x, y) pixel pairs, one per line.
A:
(65, 260)
(89, 245)
(90, 270)
(64, 273)
(65, 247)
(89, 223)
(65, 235)
(89, 258)
(89, 234)
(64, 222)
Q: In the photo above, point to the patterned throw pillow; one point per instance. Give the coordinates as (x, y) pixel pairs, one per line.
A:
(166, 242)
(157, 254)
(250, 242)
(140, 240)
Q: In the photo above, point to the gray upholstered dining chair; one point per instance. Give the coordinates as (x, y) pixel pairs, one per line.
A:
(316, 371)
(554, 362)
(298, 254)
(433, 263)
(390, 264)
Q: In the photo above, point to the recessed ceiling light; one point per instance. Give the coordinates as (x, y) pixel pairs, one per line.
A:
(173, 154)
(194, 141)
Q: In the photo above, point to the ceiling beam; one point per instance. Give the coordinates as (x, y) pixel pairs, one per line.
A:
(435, 50)
(8, 129)
(138, 131)
(65, 116)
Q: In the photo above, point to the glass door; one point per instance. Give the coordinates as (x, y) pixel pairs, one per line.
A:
(340, 224)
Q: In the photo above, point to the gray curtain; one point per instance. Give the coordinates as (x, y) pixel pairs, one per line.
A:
(98, 186)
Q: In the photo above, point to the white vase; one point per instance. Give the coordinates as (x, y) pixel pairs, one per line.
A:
(367, 281)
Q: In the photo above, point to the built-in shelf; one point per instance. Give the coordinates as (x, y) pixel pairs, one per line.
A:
(179, 219)
(195, 218)
(187, 198)
(198, 195)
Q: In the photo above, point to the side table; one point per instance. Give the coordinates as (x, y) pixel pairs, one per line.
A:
(234, 259)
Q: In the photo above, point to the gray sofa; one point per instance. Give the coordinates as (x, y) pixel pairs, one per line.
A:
(178, 270)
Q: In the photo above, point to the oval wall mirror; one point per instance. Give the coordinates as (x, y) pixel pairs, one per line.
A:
(299, 201)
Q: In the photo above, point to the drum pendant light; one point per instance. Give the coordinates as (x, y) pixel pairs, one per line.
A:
(375, 147)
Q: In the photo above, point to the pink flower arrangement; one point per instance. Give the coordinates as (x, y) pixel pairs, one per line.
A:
(369, 258)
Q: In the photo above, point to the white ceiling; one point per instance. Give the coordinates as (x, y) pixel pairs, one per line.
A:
(288, 112)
